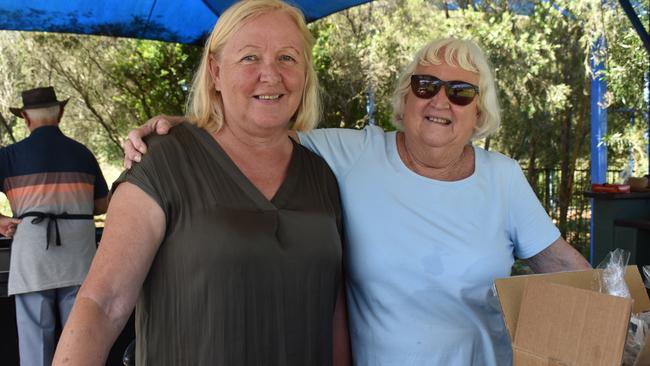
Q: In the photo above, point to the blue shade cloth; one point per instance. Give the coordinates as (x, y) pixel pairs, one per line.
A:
(182, 21)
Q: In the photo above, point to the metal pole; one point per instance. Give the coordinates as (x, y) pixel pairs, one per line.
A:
(598, 124)
(598, 113)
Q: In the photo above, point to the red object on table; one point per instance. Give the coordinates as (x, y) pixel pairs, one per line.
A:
(611, 188)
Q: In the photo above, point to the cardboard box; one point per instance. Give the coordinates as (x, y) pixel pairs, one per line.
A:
(559, 320)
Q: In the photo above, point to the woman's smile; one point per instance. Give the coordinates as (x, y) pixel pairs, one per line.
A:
(438, 120)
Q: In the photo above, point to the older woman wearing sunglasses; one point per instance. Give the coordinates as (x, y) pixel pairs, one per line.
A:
(430, 219)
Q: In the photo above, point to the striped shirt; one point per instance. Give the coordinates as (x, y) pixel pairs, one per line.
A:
(51, 173)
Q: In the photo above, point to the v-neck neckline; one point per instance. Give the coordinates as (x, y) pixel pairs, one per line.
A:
(220, 156)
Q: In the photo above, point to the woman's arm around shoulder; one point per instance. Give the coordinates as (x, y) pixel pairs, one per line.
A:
(135, 226)
(558, 257)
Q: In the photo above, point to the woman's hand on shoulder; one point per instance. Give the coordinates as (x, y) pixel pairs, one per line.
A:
(134, 146)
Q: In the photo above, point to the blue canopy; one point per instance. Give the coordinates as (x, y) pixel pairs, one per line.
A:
(186, 21)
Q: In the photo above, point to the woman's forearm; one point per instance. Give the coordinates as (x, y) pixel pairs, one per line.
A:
(559, 256)
(88, 335)
(134, 229)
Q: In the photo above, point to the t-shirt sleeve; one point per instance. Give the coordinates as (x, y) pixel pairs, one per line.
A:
(532, 230)
(146, 175)
(339, 147)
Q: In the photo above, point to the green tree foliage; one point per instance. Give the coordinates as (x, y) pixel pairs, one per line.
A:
(626, 74)
(540, 51)
(12, 68)
(114, 84)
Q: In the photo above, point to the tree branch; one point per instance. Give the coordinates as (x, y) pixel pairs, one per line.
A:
(3, 121)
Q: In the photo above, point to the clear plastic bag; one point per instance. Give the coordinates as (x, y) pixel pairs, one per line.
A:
(636, 337)
(610, 279)
(646, 276)
(610, 274)
(637, 334)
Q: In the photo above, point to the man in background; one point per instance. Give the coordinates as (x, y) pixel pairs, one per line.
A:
(55, 186)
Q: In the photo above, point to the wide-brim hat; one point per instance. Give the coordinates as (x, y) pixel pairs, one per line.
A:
(38, 98)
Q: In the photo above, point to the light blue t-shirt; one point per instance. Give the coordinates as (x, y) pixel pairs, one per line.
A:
(421, 255)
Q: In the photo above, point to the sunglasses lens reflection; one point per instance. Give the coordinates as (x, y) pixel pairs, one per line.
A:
(458, 92)
(427, 89)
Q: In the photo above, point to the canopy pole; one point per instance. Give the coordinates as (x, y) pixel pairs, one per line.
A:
(598, 124)
(598, 112)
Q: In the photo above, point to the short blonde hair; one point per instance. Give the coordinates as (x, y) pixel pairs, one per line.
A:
(205, 104)
(464, 54)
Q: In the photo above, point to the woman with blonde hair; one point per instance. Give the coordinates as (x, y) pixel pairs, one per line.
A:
(227, 234)
(430, 219)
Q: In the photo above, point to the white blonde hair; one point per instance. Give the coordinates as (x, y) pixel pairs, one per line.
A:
(460, 53)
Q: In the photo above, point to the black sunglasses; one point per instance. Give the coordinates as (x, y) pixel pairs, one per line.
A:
(458, 92)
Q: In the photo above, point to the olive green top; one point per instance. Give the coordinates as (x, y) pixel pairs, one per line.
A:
(238, 279)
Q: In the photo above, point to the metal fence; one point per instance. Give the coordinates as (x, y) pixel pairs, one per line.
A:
(547, 185)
